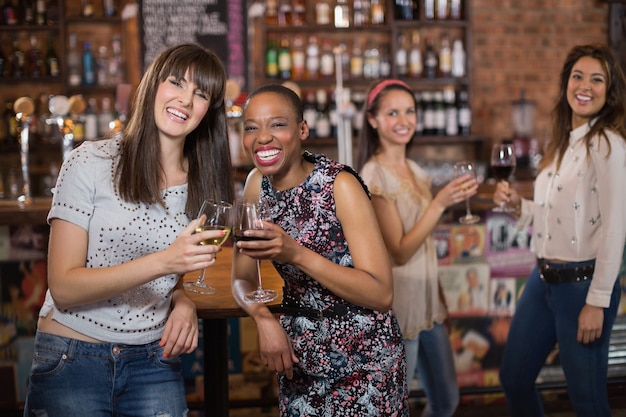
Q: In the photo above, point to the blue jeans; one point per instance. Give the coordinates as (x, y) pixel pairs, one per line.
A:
(71, 378)
(430, 354)
(547, 314)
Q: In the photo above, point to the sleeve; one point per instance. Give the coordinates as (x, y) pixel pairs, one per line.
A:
(374, 177)
(610, 172)
(74, 192)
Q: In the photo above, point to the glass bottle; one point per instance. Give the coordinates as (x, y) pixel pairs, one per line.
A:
(445, 56)
(271, 59)
(27, 11)
(18, 60)
(89, 65)
(105, 117)
(458, 59)
(91, 120)
(342, 14)
(322, 121)
(416, 66)
(322, 12)
(360, 17)
(371, 61)
(356, 60)
(310, 112)
(284, 59)
(298, 58)
(403, 9)
(377, 12)
(429, 113)
(298, 13)
(9, 13)
(430, 60)
(40, 13)
(429, 9)
(402, 64)
(271, 12)
(102, 66)
(34, 61)
(465, 113)
(440, 113)
(10, 121)
(452, 114)
(312, 59)
(284, 13)
(456, 10)
(108, 6)
(74, 66)
(327, 60)
(442, 9)
(88, 8)
(116, 62)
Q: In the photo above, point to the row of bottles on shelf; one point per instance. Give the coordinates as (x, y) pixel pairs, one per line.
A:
(56, 116)
(29, 12)
(443, 112)
(297, 61)
(358, 13)
(32, 63)
(88, 69)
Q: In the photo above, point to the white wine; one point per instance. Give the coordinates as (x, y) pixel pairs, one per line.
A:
(218, 240)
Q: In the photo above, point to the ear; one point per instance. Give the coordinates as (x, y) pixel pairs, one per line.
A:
(304, 130)
(371, 120)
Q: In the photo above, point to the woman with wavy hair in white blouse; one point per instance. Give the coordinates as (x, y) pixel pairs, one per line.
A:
(579, 229)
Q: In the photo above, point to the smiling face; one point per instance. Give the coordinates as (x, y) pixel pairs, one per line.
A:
(272, 134)
(396, 117)
(586, 90)
(179, 107)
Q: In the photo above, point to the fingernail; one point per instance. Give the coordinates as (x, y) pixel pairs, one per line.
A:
(165, 355)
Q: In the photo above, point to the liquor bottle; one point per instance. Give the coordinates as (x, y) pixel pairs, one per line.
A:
(322, 12)
(322, 121)
(102, 66)
(465, 113)
(403, 9)
(9, 13)
(310, 112)
(27, 12)
(284, 13)
(18, 60)
(333, 115)
(74, 66)
(271, 59)
(41, 17)
(298, 13)
(429, 113)
(52, 11)
(89, 65)
(371, 61)
(271, 12)
(429, 9)
(402, 64)
(284, 59)
(458, 59)
(385, 61)
(327, 60)
(88, 8)
(344, 57)
(440, 113)
(452, 113)
(91, 120)
(298, 58)
(456, 10)
(445, 56)
(430, 60)
(108, 6)
(34, 61)
(377, 12)
(342, 14)
(312, 59)
(116, 62)
(361, 15)
(416, 66)
(419, 114)
(10, 122)
(442, 9)
(356, 60)
(105, 117)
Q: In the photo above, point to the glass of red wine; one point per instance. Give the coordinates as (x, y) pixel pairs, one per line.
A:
(503, 166)
(250, 216)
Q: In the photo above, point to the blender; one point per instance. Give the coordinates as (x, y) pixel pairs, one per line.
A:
(523, 119)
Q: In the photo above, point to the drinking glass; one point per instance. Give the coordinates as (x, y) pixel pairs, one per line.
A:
(213, 215)
(250, 216)
(503, 166)
(461, 168)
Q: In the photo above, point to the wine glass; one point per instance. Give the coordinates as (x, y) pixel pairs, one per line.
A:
(251, 216)
(461, 168)
(503, 165)
(213, 215)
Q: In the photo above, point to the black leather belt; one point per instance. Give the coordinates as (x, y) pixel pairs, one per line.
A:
(554, 275)
(337, 310)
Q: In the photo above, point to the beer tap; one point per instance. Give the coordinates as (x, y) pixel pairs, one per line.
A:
(59, 108)
(24, 108)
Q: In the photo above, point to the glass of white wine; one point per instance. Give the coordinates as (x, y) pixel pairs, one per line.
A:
(461, 168)
(213, 215)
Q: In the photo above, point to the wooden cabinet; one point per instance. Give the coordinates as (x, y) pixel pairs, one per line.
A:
(390, 37)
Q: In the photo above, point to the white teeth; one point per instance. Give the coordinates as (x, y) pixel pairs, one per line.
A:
(269, 154)
(583, 98)
(177, 113)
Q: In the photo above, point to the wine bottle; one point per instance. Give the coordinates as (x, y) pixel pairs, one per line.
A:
(74, 66)
(89, 65)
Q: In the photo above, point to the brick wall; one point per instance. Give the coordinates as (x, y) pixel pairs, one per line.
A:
(522, 45)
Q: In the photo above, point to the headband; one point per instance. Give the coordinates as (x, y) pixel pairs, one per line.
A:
(382, 85)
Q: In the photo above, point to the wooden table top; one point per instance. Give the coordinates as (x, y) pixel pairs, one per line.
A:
(222, 304)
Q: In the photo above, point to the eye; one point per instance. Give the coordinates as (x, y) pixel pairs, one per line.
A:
(202, 95)
(174, 82)
(249, 128)
(599, 80)
(279, 124)
(392, 113)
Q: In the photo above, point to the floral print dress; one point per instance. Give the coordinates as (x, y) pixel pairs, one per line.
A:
(352, 364)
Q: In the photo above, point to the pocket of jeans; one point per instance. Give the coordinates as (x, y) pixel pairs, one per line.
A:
(173, 362)
(47, 361)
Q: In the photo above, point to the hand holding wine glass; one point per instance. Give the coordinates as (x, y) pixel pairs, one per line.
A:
(462, 168)
(250, 216)
(503, 163)
(213, 216)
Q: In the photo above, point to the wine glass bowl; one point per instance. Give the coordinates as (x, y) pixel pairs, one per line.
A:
(213, 215)
(503, 162)
(462, 168)
(250, 216)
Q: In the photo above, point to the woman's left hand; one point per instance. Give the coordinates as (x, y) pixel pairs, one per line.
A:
(181, 330)
(590, 322)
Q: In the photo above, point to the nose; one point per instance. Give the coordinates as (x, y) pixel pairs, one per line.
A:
(185, 98)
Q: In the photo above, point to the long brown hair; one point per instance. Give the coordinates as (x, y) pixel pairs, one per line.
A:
(612, 116)
(206, 148)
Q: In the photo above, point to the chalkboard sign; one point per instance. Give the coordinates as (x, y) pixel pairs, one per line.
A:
(219, 25)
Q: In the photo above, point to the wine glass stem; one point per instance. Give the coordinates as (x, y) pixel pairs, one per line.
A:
(260, 286)
(200, 280)
(468, 213)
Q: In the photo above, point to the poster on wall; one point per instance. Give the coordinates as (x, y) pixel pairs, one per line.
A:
(219, 25)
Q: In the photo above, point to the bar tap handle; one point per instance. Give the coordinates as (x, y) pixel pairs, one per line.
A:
(59, 108)
(24, 108)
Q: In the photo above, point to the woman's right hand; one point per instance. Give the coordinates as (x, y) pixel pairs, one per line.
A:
(456, 191)
(504, 193)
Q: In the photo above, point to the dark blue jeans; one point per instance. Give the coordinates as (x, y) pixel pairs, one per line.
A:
(547, 314)
(71, 378)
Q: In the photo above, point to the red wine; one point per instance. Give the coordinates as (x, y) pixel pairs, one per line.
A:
(239, 236)
(503, 172)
